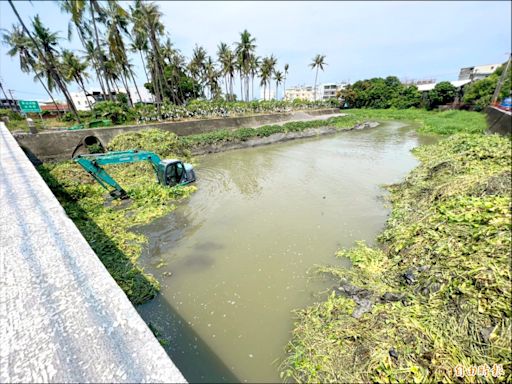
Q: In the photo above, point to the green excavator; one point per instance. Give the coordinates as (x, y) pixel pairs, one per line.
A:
(168, 172)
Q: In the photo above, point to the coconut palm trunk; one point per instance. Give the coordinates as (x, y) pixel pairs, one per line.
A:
(49, 94)
(125, 85)
(93, 59)
(144, 66)
(316, 78)
(80, 82)
(252, 87)
(241, 87)
(135, 84)
(102, 62)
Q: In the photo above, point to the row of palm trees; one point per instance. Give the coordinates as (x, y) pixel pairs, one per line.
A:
(107, 31)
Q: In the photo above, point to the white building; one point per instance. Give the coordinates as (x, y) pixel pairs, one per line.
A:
(80, 100)
(94, 95)
(300, 92)
(323, 91)
(477, 72)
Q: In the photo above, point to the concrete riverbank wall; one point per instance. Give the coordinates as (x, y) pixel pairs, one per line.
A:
(61, 145)
(63, 317)
(499, 121)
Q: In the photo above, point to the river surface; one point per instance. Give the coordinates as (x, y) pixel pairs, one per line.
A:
(236, 258)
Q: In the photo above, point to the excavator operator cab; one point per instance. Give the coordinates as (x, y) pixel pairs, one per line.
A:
(176, 172)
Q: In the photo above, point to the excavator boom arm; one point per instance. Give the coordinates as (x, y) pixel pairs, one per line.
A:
(92, 164)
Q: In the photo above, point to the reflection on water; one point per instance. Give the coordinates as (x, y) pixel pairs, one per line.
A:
(233, 261)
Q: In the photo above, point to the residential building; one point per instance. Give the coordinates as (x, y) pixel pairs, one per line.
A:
(477, 72)
(9, 104)
(82, 101)
(94, 95)
(456, 83)
(329, 91)
(323, 91)
(50, 107)
(299, 92)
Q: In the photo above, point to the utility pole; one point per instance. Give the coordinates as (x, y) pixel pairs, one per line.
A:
(15, 107)
(6, 98)
(500, 82)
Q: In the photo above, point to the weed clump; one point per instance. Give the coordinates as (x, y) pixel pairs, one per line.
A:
(164, 143)
(439, 288)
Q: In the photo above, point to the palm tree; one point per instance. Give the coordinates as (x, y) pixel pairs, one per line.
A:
(140, 44)
(74, 69)
(271, 64)
(116, 21)
(197, 65)
(245, 49)
(20, 45)
(96, 8)
(318, 63)
(228, 66)
(77, 8)
(278, 77)
(286, 66)
(147, 21)
(222, 50)
(239, 66)
(48, 53)
(47, 62)
(254, 65)
(211, 77)
(265, 75)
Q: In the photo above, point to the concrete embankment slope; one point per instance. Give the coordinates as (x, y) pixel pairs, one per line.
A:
(61, 145)
(499, 121)
(62, 316)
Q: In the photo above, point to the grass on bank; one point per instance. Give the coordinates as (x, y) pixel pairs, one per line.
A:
(439, 285)
(443, 123)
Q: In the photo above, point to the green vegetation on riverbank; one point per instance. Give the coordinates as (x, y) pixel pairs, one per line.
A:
(243, 134)
(107, 227)
(436, 294)
(429, 122)
(119, 113)
(443, 123)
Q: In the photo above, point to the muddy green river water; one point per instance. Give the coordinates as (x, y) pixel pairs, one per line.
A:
(235, 259)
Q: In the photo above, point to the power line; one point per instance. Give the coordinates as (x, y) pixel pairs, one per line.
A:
(28, 93)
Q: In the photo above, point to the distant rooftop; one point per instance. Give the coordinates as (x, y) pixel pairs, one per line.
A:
(430, 86)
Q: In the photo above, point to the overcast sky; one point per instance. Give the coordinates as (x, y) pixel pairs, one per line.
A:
(360, 39)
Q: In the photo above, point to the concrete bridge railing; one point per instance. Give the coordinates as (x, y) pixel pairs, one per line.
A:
(62, 316)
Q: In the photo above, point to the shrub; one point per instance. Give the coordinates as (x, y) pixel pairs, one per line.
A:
(118, 113)
(10, 114)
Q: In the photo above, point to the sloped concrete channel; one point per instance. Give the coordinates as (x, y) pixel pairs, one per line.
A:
(62, 144)
(62, 316)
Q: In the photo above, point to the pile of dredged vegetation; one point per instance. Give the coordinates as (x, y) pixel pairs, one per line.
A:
(108, 226)
(433, 300)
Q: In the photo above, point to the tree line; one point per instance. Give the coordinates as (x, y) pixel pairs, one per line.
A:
(108, 31)
(389, 92)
